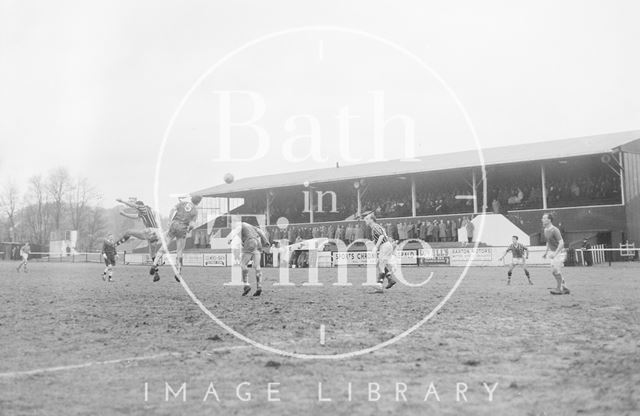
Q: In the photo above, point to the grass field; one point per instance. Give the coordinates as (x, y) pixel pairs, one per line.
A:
(73, 344)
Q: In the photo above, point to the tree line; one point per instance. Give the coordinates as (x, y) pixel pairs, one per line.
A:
(52, 204)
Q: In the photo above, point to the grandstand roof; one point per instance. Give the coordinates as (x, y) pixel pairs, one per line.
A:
(556, 149)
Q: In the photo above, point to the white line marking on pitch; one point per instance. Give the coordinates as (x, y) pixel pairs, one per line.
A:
(116, 361)
(321, 334)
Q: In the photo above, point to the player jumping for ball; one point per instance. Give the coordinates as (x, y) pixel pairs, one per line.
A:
(25, 250)
(385, 253)
(519, 256)
(555, 252)
(183, 218)
(109, 255)
(149, 233)
(253, 240)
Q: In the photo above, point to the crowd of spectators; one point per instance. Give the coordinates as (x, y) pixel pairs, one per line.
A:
(386, 203)
(584, 190)
(526, 192)
(430, 230)
(393, 200)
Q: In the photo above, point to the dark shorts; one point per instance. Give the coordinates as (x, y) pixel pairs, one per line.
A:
(152, 234)
(178, 230)
(110, 261)
(251, 246)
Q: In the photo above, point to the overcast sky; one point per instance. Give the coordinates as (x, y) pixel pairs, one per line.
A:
(93, 85)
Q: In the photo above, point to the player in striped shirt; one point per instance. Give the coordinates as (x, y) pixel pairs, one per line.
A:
(253, 240)
(519, 256)
(150, 233)
(385, 251)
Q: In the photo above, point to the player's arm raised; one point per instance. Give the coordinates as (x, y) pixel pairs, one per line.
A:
(127, 203)
(127, 215)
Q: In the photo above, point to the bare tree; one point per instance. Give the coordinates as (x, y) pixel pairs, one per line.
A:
(95, 228)
(37, 212)
(79, 199)
(9, 203)
(58, 184)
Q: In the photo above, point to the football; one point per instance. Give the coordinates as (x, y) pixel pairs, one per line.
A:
(228, 178)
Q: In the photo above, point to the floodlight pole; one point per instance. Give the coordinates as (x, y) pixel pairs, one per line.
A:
(310, 205)
(543, 177)
(621, 174)
(413, 196)
(475, 191)
(359, 202)
(268, 213)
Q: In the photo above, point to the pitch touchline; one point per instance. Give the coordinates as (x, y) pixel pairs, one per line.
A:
(116, 361)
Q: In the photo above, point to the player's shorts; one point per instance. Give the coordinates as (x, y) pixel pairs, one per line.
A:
(178, 230)
(110, 261)
(558, 261)
(25, 256)
(385, 255)
(251, 246)
(518, 261)
(151, 234)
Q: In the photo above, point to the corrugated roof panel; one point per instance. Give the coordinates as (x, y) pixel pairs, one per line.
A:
(581, 146)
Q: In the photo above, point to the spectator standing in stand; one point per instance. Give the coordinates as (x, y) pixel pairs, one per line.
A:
(470, 229)
(442, 231)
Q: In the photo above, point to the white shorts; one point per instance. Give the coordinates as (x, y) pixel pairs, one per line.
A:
(25, 256)
(386, 256)
(518, 261)
(558, 261)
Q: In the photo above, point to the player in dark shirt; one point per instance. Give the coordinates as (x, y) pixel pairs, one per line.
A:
(109, 255)
(519, 256)
(253, 240)
(555, 253)
(183, 217)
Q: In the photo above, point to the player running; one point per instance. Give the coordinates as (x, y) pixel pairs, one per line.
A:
(183, 218)
(385, 253)
(253, 239)
(109, 255)
(519, 256)
(25, 250)
(555, 252)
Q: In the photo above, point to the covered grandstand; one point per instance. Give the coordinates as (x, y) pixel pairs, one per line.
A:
(591, 183)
